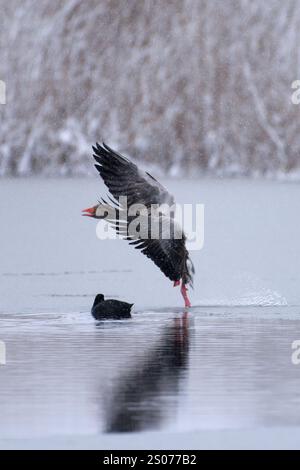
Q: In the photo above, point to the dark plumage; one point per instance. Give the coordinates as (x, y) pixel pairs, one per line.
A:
(110, 309)
(123, 178)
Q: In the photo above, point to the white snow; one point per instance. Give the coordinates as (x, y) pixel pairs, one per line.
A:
(183, 85)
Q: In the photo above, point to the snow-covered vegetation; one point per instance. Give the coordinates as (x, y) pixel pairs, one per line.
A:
(185, 85)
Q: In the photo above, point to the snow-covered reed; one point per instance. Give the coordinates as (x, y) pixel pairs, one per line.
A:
(186, 85)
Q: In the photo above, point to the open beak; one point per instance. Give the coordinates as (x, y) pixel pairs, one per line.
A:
(90, 211)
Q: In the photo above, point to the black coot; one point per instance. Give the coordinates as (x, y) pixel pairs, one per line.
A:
(110, 309)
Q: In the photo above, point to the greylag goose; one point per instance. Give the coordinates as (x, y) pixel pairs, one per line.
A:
(124, 179)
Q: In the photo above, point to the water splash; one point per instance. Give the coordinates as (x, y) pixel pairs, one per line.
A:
(248, 291)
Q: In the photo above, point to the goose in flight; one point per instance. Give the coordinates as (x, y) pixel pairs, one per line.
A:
(158, 235)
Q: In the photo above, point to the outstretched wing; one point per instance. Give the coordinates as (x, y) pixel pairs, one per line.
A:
(166, 254)
(123, 178)
(169, 254)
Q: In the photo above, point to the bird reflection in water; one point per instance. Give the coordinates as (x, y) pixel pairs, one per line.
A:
(149, 393)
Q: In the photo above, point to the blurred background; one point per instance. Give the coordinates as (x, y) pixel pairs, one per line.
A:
(188, 89)
(185, 86)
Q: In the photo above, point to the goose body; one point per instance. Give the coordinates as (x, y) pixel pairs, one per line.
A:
(124, 179)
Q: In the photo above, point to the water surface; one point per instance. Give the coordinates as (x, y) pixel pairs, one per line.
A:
(226, 364)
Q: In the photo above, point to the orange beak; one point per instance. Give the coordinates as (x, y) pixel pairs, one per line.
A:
(90, 211)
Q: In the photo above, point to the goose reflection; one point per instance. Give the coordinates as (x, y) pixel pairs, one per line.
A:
(144, 397)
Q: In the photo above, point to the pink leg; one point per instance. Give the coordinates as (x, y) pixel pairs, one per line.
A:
(183, 290)
(176, 283)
